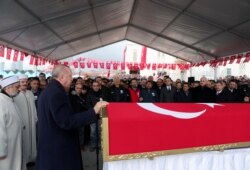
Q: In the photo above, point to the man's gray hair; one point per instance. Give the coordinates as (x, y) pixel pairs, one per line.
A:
(58, 71)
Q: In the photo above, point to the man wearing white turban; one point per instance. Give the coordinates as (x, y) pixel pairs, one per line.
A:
(11, 126)
(25, 100)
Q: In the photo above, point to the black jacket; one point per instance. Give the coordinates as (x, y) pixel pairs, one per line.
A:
(118, 94)
(58, 142)
(222, 97)
(94, 97)
(203, 94)
(183, 97)
(149, 95)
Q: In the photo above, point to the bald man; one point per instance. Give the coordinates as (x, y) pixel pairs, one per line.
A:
(58, 144)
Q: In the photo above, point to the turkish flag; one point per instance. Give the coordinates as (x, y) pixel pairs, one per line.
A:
(148, 127)
(1, 51)
(148, 66)
(142, 66)
(129, 65)
(159, 65)
(225, 61)
(232, 59)
(144, 54)
(108, 66)
(22, 56)
(115, 66)
(8, 53)
(154, 66)
(75, 64)
(31, 60)
(65, 63)
(123, 66)
(44, 61)
(239, 57)
(15, 57)
(101, 65)
(247, 58)
(136, 66)
(89, 64)
(173, 66)
(95, 65)
(82, 65)
(36, 61)
(213, 63)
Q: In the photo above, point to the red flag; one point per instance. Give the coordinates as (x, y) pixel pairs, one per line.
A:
(164, 66)
(154, 66)
(129, 65)
(148, 66)
(82, 64)
(89, 63)
(95, 65)
(108, 66)
(159, 65)
(43, 61)
(31, 60)
(220, 62)
(115, 66)
(8, 53)
(15, 57)
(66, 63)
(239, 57)
(101, 65)
(36, 61)
(22, 56)
(213, 63)
(173, 66)
(200, 125)
(136, 67)
(1, 51)
(247, 59)
(144, 54)
(232, 59)
(142, 66)
(225, 61)
(123, 66)
(203, 63)
(75, 64)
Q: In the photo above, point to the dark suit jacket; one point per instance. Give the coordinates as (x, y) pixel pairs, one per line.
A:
(167, 96)
(58, 143)
(203, 94)
(182, 97)
(222, 97)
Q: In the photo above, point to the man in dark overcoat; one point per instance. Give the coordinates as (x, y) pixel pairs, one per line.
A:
(58, 144)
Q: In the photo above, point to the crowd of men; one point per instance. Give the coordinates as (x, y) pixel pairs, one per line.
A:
(85, 94)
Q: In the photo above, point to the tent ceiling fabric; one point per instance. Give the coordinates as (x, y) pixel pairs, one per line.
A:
(192, 30)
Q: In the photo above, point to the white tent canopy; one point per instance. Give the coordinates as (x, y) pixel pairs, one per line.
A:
(192, 30)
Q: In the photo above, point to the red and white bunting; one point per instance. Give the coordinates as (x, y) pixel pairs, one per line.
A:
(1, 51)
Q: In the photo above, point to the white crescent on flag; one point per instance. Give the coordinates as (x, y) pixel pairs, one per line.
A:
(181, 115)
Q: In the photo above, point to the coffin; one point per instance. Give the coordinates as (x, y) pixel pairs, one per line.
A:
(147, 130)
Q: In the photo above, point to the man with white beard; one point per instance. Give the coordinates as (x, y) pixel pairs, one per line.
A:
(11, 126)
(25, 100)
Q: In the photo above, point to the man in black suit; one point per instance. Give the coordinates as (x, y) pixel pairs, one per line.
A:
(58, 143)
(233, 92)
(159, 87)
(221, 95)
(185, 95)
(168, 92)
(202, 93)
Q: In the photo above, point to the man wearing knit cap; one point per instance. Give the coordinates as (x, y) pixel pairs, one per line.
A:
(11, 126)
(25, 100)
